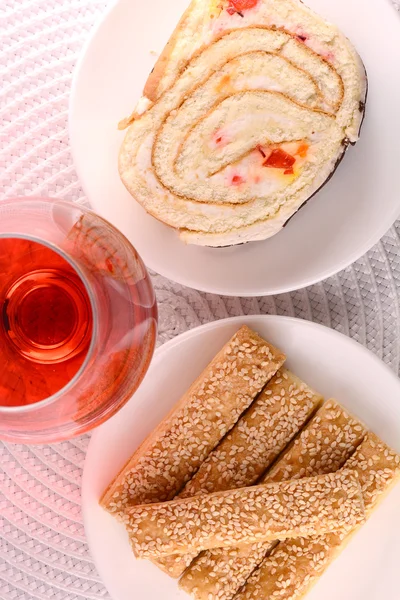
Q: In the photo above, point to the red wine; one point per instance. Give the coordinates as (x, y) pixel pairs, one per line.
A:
(45, 322)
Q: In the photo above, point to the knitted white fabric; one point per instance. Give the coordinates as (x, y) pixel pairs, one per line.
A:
(43, 552)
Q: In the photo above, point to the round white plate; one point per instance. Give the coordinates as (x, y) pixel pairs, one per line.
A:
(349, 215)
(331, 363)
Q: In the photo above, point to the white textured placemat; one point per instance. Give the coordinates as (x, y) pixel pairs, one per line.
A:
(43, 553)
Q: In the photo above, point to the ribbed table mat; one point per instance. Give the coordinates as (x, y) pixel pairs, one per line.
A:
(43, 552)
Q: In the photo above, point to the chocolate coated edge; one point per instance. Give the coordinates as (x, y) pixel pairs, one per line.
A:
(346, 143)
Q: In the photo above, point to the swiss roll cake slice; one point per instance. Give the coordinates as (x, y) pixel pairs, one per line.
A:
(245, 116)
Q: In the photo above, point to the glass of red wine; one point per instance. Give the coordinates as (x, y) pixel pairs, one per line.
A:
(78, 320)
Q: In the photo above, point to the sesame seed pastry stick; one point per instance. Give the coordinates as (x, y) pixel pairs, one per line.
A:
(260, 435)
(173, 452)
(309, 506)
(323, 446)
(295, 565)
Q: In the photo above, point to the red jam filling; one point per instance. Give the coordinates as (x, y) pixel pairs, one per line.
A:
(236, 6)
(237, 180)
(279, 159)
(219, 138)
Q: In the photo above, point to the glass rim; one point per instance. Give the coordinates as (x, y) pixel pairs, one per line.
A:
(66, 388)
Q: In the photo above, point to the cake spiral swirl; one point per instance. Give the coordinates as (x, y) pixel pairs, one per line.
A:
(250, 127)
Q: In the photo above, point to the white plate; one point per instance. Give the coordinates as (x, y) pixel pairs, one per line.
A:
(349, 215)
(333, 364)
